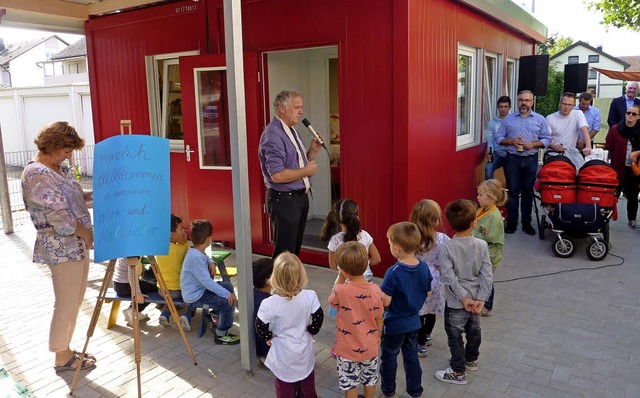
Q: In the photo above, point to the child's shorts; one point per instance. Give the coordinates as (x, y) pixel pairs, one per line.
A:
(351, 374)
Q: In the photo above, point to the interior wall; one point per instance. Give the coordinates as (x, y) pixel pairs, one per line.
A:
(307, 71)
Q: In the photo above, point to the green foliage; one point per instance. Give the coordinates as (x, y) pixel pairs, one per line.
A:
(555, 44)
(548, 104)
(618, 13)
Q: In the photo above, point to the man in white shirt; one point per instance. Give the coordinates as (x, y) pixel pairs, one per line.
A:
(566, 126)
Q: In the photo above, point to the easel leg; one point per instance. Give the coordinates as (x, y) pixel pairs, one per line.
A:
(133, 281)
(106, 281)
(172, 308)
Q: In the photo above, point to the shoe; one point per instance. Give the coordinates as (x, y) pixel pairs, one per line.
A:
(429, 340)
(528, 229)
(633, 224)
(227, 339)
(128, 315)
(142, 317)
(471, 365)
(449, 376)
(212, 322)
(422, 351)
(185, 322)
(87, 364)
(510, 229)
(383, 395)
(163, 319)
(486, 312)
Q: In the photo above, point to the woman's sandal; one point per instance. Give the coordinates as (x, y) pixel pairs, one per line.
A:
(87, 364)
(86, 355)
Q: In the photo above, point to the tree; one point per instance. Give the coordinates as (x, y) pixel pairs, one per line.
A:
(555, 43)
(618, 13)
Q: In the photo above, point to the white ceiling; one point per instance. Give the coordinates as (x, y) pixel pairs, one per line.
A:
(60, 15)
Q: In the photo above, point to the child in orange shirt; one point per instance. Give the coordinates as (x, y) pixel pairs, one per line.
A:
(358, 323)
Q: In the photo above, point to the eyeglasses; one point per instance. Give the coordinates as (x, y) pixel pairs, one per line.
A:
(632, 114)
(563, 104)
(524, 100)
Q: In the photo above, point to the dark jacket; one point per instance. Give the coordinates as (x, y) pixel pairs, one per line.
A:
(617, 110)
(616, 143)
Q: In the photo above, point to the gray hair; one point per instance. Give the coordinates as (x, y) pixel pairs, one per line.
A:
(284, 98)
(526, 92)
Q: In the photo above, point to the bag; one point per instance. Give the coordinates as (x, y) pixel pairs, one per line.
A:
(582, 217)
(557, 181)
(635, 167)
(597, 183)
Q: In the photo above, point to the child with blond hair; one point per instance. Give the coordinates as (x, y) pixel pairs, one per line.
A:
(426, 214)
(490, 227)
(286, 321)
(359, 326)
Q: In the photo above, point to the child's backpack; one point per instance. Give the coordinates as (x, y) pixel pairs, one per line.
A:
(597, 183)
(557, 181)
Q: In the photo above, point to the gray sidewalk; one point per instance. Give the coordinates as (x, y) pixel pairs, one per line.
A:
(570, 334)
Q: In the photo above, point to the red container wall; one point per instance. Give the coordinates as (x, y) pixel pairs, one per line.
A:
(435, 169)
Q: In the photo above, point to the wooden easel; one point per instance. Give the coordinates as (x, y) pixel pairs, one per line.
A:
(132, 262)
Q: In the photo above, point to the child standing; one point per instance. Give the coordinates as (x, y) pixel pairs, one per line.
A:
(405, 285)
(427, 215)
(343, 225)
(490, 227)
(466, 276)
(199, 288)
(171, 264)
(359, 326)
(286, 321)
(262, 269)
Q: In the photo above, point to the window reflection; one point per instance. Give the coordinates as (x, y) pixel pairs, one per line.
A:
(213, 125)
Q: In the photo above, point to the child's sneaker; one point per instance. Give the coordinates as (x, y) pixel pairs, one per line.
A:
(163, 319)
(185, 321)
(128, 315)
(422, 351)
(429, 340)
(472, 365)
(449, 376)
(227, 339)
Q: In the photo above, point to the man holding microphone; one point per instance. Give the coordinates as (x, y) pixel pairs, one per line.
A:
(287, 169)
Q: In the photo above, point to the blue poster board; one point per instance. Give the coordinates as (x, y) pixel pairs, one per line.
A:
(131, 197)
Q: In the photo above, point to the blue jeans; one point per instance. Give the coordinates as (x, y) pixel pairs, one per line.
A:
(491, 167)
(488, 305)
(391, 345)
(456, 322)
(219, 305)
(521, 175)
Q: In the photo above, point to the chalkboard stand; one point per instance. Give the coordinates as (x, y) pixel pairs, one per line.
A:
(132, 262)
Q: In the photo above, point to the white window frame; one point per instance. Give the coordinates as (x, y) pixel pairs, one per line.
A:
(201, 150)
(474, 97)
(156, 114)
(511, 87)
(489, 99)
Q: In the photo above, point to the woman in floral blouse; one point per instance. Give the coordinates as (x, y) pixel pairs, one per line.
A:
(58, 209)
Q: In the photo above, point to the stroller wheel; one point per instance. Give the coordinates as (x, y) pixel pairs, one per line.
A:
(563, 247)
(597, 250)
(541, 226)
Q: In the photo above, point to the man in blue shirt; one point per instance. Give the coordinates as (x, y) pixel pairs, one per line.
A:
(287, 170)
(522, 133)
(499, 151)
(591, 113)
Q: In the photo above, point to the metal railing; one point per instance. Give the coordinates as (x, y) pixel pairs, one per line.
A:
(15, 163)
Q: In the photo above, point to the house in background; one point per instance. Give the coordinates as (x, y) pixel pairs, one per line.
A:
(633, 61)
(19, 62)
(67, 66)
(581, 52)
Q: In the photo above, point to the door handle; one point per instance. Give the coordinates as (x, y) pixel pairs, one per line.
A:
(188, 151)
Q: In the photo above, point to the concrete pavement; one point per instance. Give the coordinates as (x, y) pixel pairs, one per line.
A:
(572, 333)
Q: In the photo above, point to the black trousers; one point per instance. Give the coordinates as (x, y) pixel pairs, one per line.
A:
(124, 289)
(288, 214)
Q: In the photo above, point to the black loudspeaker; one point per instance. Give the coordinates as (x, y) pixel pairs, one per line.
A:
(575, 78)
(534, 70)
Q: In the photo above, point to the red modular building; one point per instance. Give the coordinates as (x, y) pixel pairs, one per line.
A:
(401, 89)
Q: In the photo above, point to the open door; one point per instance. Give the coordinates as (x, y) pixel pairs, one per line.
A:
(205, 111)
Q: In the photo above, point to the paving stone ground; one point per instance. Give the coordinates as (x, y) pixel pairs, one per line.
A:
(573, 333)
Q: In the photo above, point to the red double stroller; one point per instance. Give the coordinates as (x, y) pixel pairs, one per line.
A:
(576, 206)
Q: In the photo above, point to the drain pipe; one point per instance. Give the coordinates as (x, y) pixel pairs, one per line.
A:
(5, 203)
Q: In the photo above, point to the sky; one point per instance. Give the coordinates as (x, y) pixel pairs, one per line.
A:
(583, 25)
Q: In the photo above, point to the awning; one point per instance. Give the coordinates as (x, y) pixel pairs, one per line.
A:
(628, 76)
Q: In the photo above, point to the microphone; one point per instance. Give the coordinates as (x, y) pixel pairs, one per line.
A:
(308, 125)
